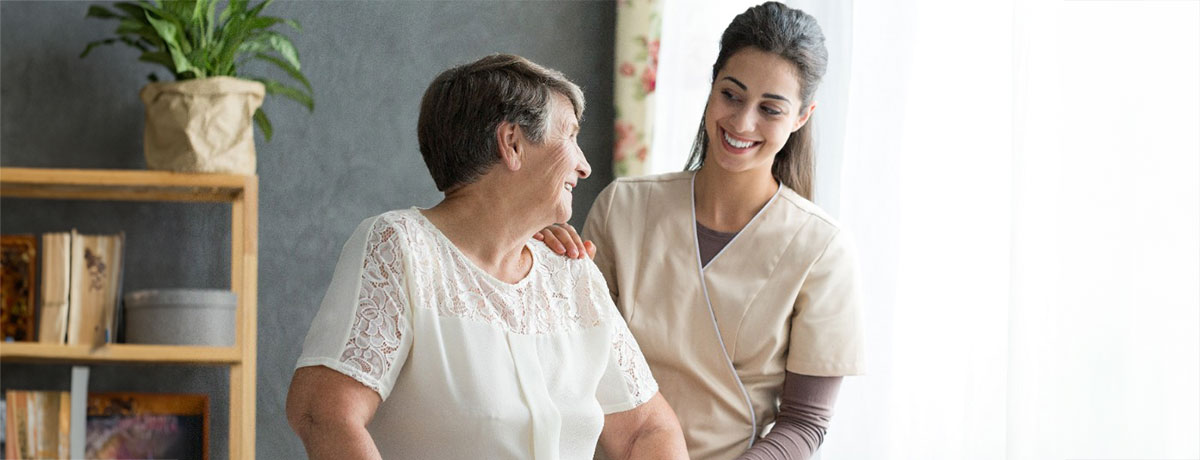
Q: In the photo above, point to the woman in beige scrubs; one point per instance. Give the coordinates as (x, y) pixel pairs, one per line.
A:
(741, 292)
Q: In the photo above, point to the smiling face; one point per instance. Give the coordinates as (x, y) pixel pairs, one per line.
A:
(556, 165)
(753, 107)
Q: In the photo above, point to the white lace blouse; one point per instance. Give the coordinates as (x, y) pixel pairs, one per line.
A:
(469, 366)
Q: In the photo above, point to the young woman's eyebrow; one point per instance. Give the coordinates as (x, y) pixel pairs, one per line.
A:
(766, 95)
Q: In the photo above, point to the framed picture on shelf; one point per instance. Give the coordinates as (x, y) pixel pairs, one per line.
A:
(18, 282)
(147, 425)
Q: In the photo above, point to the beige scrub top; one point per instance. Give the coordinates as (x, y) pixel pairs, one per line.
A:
(783, 293)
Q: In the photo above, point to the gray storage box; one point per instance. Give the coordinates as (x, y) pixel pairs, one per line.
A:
(180, 317)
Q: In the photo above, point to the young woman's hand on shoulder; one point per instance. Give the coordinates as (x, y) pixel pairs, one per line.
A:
(564, 240)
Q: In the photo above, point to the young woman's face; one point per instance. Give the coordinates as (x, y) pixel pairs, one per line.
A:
(753, 107)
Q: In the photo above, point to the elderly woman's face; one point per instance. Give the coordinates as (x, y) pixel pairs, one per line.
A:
(557, 164)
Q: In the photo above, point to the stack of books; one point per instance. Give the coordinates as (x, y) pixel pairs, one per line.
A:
(80, 289)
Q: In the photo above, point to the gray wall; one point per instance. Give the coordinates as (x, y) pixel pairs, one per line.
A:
(356, 156)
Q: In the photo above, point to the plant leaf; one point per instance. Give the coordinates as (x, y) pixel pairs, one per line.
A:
(192, 28)
(285, 48)
(282, 64)
(234, 34)
(133, 10)
(158, 57)
(235, 7)
(293, 24)
(166, 30)
(133, 26)
(274, 87)
(171, 14)
(258, 8)
(107, 41)
(197, 12)
(172, 32)
(209, 14)
(159, 11)
(272, 41)
(97, 11)
(182, 66)
(134, 43)
(265, 22)
(264, 123)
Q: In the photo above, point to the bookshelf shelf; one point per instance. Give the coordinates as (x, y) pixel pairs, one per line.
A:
(118, 353)
(120, 185)
(241, 192)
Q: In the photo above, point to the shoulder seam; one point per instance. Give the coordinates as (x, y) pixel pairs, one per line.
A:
(819, 215)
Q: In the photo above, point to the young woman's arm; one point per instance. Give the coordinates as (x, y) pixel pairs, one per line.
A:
(804, 412)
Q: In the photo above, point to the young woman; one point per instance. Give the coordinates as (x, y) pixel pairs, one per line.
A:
(740, 291)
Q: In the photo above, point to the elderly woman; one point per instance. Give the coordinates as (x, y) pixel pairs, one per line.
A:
(447, 333)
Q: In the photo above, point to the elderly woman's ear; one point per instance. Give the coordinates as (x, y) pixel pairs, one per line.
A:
(509, 136)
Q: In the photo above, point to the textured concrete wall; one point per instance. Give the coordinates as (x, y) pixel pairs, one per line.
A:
(354, 157)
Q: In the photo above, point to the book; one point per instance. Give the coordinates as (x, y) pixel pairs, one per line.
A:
(37, 424)
(18, 281)
(56, 287)
(95, 286)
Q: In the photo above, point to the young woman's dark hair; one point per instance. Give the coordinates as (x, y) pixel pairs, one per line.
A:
(794, 36)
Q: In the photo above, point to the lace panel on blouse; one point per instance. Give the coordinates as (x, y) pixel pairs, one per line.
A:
(559, 295)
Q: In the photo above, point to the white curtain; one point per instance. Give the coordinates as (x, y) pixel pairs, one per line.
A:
(1022, 179)
(691, 33)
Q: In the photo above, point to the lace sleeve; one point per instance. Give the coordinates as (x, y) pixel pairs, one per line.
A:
(628, 358)
(362, 328)
(376, 343)
(628, 382)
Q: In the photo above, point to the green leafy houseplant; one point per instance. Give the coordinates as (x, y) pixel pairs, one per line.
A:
(193, 42)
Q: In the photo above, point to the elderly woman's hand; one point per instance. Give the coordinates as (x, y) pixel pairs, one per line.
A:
(563, 239)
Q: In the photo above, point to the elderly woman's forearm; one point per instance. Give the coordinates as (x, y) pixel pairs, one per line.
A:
(661, 443)
(336, 441)
(330, 412)
(649, 431)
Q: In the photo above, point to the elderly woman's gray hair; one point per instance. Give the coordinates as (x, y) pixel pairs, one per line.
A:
(464, 105)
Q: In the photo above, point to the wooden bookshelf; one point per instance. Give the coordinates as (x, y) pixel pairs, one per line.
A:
(241, 192)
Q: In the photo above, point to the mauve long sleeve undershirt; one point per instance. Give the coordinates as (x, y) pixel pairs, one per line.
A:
(805, 408)
(806, 404)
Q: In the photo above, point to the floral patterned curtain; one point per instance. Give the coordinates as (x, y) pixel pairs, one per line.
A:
(639, 24)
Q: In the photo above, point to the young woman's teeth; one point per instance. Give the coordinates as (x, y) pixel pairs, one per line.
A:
(737, 143)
